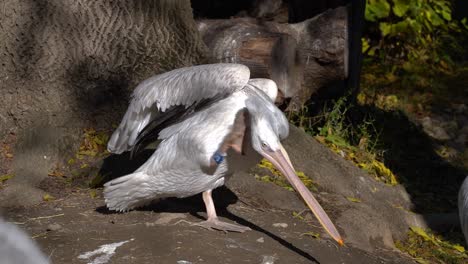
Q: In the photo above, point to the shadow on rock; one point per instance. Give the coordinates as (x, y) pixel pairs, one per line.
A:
(116, 166)
(431, 181)
(194, 204)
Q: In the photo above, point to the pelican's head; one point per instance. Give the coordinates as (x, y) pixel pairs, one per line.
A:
(264, 138)
(266, 134)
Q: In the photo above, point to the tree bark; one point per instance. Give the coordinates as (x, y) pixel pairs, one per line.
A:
(64, 63)
(300, 57)
(70, 64)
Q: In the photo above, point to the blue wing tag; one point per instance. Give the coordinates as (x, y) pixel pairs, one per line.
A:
(218, 157)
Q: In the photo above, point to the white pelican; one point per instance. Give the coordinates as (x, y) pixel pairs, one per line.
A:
(463, 208)
(17, 247)
(211, 120)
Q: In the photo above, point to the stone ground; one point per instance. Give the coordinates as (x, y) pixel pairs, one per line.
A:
(69, 227)
(76, 223)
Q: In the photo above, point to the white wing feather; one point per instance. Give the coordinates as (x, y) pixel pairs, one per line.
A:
(200, 136)
(183, 86)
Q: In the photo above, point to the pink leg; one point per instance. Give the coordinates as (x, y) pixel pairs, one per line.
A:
(209, 204)
(213, 222)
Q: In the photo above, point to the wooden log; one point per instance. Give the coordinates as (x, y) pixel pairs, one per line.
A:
(300, 57)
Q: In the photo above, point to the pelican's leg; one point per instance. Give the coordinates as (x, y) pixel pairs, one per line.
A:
(213, 221)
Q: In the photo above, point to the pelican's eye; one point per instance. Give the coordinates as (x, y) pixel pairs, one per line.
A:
(265, 146)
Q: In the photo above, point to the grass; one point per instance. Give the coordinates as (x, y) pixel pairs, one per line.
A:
(353, 140)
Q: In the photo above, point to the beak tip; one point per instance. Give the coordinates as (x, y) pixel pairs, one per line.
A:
(340, 242)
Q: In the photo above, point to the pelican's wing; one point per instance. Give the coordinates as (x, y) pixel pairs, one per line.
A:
(166, 98)
(210, 131)
(221, 126)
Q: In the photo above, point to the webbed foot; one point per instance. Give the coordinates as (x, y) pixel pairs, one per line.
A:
(215, 223)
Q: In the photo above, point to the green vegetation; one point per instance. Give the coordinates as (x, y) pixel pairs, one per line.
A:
(47, 197)
(5, 177)
(415, 66)
(414, 39)
(426, 247)
(82, 169)
(94, 143)
(353, 140)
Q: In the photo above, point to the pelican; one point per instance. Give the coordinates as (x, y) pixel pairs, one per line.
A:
(463, 208)
(211, 120)
(17, 247)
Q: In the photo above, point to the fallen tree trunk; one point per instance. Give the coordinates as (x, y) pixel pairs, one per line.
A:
(300, 57)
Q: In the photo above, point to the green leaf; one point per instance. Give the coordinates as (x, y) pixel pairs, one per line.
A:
(6, 177)
(312, 234)
(400, 27)
(337, 140)
(443, 8)
(385, 28)
(433, 17)
(354, 200)
(365, 45)
(400, 7)
(47, 197)
(377, 9)
(419, 231)
(446, 15)
(464, 22)
(91, 153)
(421, 261)
(459, 248)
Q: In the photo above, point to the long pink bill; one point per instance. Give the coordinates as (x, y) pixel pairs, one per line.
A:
(281, 160)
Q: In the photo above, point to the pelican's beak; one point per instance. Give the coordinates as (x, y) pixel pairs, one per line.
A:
(281, 161)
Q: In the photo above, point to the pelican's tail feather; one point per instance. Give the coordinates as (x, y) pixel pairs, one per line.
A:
(128, 192)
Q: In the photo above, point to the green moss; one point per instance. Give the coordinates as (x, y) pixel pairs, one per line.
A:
(426, 247)
(380, 171)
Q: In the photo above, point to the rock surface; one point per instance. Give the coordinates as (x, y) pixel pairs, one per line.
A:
(88, 232)
(76, 221)
(382, 216)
